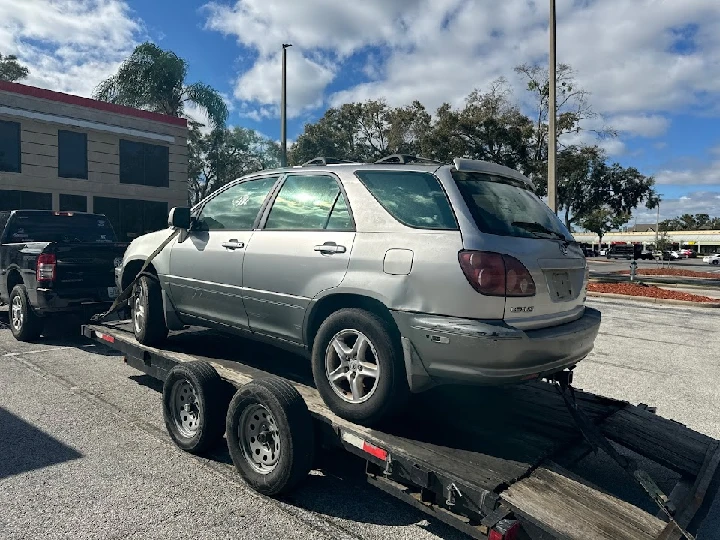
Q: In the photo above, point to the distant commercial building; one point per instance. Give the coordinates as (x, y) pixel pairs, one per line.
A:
(701, 241)
(67, 153)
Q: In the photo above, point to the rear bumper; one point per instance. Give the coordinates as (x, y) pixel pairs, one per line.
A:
(491, 352)
(82, 301)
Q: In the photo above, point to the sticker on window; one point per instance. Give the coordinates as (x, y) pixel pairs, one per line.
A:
(241, 201)
(101, 222)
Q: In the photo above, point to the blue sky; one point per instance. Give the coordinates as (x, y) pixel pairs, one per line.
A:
(652, 66)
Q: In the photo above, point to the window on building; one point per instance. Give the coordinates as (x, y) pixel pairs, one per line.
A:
(73, 203)
(131, 217)
(144, 164)
(11, 199)
(9, 146)
(309, 203)
(72, 154)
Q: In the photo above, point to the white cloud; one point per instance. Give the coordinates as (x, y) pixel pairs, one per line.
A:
(306, 80)
(697, 202)
(638, 58)
(640, 125)
(69, 45)
(704, 175)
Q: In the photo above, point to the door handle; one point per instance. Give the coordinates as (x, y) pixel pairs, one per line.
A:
(233, 244)
(330, 247)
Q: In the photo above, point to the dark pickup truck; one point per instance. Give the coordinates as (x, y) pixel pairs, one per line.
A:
(55, 263)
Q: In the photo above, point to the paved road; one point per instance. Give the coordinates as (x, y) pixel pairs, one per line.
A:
(85, 454)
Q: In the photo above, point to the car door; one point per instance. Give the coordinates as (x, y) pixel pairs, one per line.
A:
(205, 278)
(303, 248)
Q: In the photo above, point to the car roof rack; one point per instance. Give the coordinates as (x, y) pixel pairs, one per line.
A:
(404, 159)
(321, 160)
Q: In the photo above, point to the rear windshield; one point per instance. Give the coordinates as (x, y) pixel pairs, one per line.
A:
(70, 228)
(506, 207)
(414, 198)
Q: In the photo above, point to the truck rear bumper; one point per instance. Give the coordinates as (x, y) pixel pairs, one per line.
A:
(491, 352)
(86, 301)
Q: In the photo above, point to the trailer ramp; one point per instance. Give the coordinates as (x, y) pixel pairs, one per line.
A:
(473, 456)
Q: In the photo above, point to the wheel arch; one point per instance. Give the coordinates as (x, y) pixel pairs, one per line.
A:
(14, 277)
(132, 269)
(323, 307)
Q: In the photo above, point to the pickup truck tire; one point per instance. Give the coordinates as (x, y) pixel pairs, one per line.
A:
(270, 435)
(358, 367)
(148, 317)
(194, 405)
(25, 325)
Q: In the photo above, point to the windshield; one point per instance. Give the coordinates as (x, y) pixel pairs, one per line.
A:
(506, 207)
(62, 227)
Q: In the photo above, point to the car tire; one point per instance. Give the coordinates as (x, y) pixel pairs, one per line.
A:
(371, 383)
(25, 325)
(715, 262)
(270, 435)
(195, 401)
(148, 317)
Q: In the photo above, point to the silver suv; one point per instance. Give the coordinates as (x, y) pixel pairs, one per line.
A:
(391, 277)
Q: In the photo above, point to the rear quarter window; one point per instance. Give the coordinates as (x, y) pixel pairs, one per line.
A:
(414, 198)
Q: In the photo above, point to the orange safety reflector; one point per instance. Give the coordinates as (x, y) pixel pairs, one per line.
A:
(357, 442)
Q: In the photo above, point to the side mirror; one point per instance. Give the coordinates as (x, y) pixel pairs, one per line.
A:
(179, 218)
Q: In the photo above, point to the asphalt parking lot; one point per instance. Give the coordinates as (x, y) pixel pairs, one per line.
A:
(85, 453)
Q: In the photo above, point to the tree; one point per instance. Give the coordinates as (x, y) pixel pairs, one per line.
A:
(586, 183)
(11, 70)
(573, 109)
(154, 79)
(489, 127)
(603, 220)
(216, 158)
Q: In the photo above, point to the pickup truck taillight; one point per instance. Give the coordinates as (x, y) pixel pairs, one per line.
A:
(45, 269)
(494, 274)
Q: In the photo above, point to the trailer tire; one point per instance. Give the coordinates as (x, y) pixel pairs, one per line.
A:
(389, 393)
(194, 405)
(25, 325)
(270, 435)
(148, 317)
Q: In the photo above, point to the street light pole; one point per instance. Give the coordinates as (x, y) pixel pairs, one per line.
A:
(552, 112)
(657, 226)
(283, 108)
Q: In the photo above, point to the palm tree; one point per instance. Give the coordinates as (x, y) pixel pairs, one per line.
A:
(154, 80)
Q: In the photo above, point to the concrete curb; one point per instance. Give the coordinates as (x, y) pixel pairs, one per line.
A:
(649, 300)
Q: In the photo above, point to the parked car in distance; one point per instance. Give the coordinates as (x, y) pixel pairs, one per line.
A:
(646, 254)
(687, 253)
(55, 263)
(712, 259)
(391, 277)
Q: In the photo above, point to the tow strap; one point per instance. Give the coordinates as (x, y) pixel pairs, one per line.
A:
(124, 296)
(596, 440)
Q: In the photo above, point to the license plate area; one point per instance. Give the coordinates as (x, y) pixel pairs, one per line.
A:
(562, 287)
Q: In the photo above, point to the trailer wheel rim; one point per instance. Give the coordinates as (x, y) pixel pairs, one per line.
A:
(16, 313)
(351, 366)
(186, 408)
(259, 438)
(139, 309)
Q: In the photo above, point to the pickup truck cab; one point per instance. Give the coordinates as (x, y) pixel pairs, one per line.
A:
(55, 263)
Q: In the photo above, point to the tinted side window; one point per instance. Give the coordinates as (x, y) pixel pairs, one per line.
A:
(237, 207)
(72, 154)
(9, 146)
(309, 203)
(415, 199)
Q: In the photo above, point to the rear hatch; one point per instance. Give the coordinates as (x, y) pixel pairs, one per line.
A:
(509, 223)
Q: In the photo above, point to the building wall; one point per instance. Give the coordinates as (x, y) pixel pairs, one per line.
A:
(40, 119)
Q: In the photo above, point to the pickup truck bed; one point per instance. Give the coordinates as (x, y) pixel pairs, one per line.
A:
(470, 456)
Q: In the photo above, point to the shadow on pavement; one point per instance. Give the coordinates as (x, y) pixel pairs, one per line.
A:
(24, 447)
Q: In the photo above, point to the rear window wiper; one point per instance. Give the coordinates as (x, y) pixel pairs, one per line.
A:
(537, 228)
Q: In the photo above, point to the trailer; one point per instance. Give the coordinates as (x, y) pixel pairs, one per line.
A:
(494, 463)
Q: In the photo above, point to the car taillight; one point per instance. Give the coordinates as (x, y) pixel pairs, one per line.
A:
(45, 269)
(494, 274)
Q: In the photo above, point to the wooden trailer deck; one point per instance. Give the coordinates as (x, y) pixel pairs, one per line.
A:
(462, 454)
